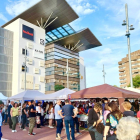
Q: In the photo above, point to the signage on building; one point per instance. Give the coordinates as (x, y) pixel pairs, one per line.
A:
(39, 52)
(42, 42)
(27, 32)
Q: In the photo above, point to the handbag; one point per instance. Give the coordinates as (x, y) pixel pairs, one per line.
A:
(38, 119)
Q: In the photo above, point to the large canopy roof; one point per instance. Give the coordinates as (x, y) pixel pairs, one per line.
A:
(86, 37)
(103, 91)
(44, 8)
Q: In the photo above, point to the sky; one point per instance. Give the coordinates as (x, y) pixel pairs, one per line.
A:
(104, 18)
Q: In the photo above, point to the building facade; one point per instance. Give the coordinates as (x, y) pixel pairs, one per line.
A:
(124, 74)
(27, 37)
(6, 61)
(51, 48)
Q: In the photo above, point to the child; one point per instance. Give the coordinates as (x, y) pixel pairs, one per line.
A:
(98, 129)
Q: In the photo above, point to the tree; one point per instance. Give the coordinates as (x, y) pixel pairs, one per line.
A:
(136, 82)
(59, 87)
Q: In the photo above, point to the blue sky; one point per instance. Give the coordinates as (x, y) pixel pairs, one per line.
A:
(104, 19)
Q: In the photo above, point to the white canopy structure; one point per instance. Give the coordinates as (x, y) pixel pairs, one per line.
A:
(133, 89)
(27, 95)
(2, 97)
(61, 94)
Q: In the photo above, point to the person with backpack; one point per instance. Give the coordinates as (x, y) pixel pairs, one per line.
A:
(112, 121)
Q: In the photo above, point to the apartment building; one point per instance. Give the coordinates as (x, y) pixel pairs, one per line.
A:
(124, 74)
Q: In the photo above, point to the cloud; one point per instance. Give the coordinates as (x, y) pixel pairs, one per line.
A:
(2, 17)
(17, 7)
(82, 7)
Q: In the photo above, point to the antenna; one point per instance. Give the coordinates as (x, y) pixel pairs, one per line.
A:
(104, 74)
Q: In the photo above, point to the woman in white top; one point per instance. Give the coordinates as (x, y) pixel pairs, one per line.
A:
(51, 115)
(38, 110)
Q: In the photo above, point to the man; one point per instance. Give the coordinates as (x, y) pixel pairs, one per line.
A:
(32, 115)
(93, 117)
(136, 106)
(68, 118)
(9, 115)
(58, 118)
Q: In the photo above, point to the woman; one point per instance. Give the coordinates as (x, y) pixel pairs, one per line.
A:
(128, 128)
(93, 117)
(38, 110)
(127, 106)
(14, 114)
(106, 112)
(24, 116)
(112, 121)
(51, 115)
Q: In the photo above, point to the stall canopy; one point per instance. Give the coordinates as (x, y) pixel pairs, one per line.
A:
(2, 97)
(103, 91)
(27, 95)
(61, 94)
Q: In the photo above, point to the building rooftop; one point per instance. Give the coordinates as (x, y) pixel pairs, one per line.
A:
(76, 41)
(43, 9)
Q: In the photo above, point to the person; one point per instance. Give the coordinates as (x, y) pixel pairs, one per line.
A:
(128, 128)
(93, 117)
(138, 116)
(58, 118)
(9, 115)
(136, 106)
(14, 114)
(32, 115)
(0, 121)
(106, 112)
(68, 118)
(112, 121)
(98, 129)
(127, 106)
(105, 101)
(51, 115)
(42, 116)
(24, 116)
(38, 110)
(76, 122)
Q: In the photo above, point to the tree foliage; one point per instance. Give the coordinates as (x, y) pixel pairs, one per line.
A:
(136, 82)
(59, 87)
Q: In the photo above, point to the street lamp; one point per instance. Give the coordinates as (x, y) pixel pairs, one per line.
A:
(126, 22)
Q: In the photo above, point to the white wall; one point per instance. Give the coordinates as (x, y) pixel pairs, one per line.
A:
(82, 74)
(18, 58)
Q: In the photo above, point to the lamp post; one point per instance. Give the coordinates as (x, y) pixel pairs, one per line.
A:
(128, 42)
(67, 72)
(104, 74)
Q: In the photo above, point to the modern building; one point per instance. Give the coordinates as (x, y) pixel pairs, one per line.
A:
(42, 34)
(6, 61)
(124, 68)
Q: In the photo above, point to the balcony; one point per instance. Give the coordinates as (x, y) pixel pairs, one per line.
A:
(122, 74)
(121, 70)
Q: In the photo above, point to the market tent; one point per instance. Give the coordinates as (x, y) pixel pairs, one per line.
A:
(26, 95)
(133, 89)
(2, 97)
(61, 94)
(103, 91)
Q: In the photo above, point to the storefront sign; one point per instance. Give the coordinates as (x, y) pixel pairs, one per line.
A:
(39, 52)
(27, 32)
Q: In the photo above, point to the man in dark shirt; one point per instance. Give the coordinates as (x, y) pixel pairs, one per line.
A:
(68, 118)
(9, 115)
(93, 117)
(32, 115)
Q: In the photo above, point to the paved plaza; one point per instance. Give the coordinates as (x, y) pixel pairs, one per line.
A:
(44, 133)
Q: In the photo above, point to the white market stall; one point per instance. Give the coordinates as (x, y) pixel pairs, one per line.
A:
(27, 95)
(61, 94)
(2, 97)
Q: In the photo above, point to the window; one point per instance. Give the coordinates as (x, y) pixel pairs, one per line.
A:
(23, 51)
(23, 68)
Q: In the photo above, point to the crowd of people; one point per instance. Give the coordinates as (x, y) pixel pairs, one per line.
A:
(102, 118)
